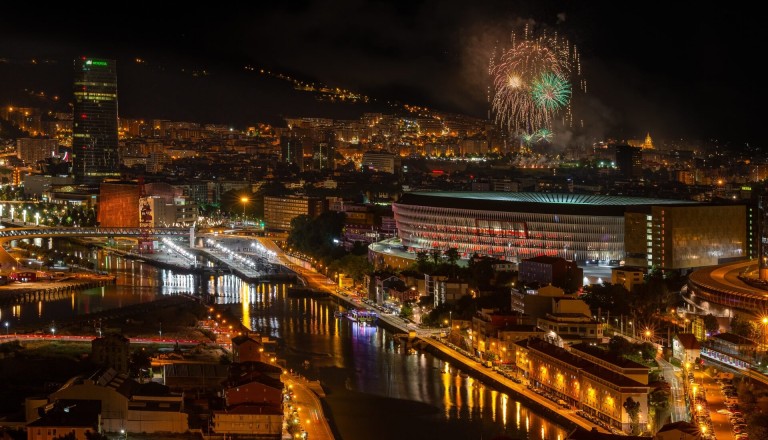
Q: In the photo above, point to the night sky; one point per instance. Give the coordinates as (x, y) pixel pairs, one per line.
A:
(677, 72)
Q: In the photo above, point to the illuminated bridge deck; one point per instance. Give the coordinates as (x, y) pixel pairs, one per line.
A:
(21, 233)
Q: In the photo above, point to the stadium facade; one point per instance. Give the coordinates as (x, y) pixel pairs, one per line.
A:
(579, 227)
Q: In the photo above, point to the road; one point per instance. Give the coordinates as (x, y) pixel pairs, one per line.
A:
(715, 402)
(674, 377)
(312, 418)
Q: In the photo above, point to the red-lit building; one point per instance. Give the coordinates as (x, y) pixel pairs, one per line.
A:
(254, 389)
(246, 349)
(118, 205)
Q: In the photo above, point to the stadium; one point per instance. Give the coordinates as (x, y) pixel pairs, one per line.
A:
(579, 227)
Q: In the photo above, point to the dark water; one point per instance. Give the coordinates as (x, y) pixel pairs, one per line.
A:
(376, 389)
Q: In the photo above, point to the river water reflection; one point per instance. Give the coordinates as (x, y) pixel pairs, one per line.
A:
(376, 389)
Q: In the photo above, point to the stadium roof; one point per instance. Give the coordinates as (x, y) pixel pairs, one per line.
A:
(531, 202)
(561, 198)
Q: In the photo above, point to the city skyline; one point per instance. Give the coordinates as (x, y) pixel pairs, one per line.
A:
(639, 64)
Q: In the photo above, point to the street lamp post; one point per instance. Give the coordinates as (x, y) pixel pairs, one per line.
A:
(244, 201)
(6, 327)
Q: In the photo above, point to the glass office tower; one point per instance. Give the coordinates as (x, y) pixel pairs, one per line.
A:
(94, 132)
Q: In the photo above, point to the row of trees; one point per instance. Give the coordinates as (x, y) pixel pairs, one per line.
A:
(643, 303)
(319, 238)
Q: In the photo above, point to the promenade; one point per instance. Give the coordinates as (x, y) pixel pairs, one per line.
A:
(485, 374)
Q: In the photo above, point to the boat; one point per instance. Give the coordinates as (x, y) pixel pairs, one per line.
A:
(362, 316)
(463, 374)
(338, 314)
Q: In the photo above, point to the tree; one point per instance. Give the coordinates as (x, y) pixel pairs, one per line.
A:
(452, 256)
(711, 324)
(658, 402)
(139, 361)
(423, 264)
(613, 297)
(314, 236)
(436, 256)
(740, 327)
(619, 346)
(633, 411)
(648, 350)
(406, 311)
(356, 266)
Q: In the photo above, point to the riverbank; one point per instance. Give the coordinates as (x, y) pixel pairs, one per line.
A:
(18, 292)
(475, 369)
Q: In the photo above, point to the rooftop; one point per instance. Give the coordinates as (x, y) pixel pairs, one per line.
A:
(607, 356)
(556, 198)
(688, 341)
(528, 202)
(683, 426)
(733, 339)
(581, 363)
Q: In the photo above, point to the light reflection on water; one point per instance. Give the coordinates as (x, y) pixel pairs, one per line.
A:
(360, 360)
(362, 367)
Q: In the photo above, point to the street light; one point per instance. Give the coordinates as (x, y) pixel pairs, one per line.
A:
(6, 327)
(244, 201)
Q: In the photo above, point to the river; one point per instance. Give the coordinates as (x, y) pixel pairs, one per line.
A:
(375, 388)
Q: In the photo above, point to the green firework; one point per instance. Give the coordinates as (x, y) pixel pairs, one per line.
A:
(551, 91)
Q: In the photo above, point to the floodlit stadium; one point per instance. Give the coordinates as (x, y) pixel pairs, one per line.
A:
(513, 226)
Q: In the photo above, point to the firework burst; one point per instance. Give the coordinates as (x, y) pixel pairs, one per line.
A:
(532, 82)
(551, 92)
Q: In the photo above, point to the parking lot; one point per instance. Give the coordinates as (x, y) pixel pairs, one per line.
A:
(716, 408)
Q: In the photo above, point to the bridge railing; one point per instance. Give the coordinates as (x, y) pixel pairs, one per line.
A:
(90, 232)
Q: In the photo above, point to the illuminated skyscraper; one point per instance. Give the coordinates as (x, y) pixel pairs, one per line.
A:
(94, 132)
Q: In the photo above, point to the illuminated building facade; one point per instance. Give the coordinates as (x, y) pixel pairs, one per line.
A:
(590, 383)
(118, 205)
(680, 237)
(33, 150)
(514, 226)
(279, 211)
(94, 131)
